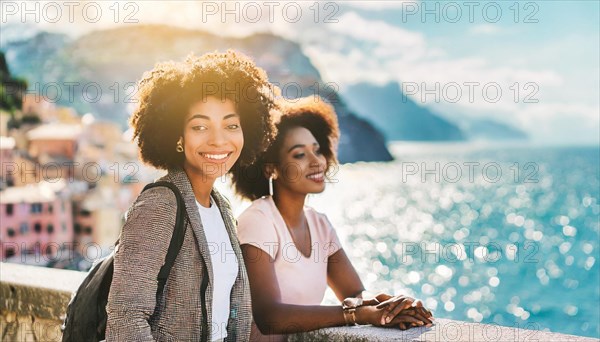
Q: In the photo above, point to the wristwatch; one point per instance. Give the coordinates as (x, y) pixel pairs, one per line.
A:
(349, 306)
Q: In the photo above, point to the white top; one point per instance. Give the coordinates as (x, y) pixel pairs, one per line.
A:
(224, 263)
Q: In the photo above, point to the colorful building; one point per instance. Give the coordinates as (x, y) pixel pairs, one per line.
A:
(35, 222)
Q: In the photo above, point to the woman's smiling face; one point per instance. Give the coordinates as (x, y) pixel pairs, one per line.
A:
(302, 166)
(212, 137)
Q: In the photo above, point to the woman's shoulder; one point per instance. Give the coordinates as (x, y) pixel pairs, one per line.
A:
(259, 209)
(320, 219)
(257, 226)
(158, 196)
(262, 205)
(314, 213)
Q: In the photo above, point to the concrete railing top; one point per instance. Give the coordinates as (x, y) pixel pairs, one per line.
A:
(41, 277)
(45, 292)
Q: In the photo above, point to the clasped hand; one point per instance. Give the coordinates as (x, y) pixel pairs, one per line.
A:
(401, 311)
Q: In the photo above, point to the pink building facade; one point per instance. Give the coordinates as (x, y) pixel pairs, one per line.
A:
(35, 223)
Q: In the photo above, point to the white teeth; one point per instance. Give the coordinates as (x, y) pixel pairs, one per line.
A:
(215, 156)
(316, 176)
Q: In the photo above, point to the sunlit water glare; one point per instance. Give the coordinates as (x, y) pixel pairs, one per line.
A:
(512, 240)
(515, 248)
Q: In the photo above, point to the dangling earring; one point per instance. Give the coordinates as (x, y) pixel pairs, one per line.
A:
(179, 147)
(271, 184)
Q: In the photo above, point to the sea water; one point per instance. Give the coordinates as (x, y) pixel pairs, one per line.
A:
(504, 236)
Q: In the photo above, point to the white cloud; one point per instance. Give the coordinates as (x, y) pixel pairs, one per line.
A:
(357, 49)
(388, 36)
(386, 53)
(571, 123)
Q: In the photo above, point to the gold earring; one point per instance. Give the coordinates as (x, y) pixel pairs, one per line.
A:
(179, 147)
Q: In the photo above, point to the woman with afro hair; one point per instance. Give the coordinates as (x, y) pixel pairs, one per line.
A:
(197, 120)
(291, 251)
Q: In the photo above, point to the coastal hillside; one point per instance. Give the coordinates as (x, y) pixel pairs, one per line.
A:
(401, 118)
(108, 61)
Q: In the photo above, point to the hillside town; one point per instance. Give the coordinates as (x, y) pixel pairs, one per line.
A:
(66, 180)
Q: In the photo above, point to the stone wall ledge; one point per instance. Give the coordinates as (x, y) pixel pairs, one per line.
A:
(33, 300)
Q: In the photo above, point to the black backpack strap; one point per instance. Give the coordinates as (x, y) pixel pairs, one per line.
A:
(174, 247)
(176, 239)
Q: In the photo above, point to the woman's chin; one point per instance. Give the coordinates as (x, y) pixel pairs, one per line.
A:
(209, 170)
(318, 189)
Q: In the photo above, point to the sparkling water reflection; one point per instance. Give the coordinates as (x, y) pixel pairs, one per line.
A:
(516, 243)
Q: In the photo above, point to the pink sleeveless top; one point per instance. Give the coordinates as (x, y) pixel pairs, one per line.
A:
(302, 280)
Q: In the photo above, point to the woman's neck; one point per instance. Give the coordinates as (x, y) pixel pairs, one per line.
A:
(291, 207)
(201, 185)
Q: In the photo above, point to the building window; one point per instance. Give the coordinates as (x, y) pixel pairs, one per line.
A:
(11, 232)
(9, 209)
(50, 229)
(38, 228)
(50, 208)
(24, 229)
(88, 230)
(10, 252)
(77, 228)
(36, 208)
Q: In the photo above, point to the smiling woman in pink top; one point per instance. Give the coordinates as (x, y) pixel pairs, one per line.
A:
(292, 252)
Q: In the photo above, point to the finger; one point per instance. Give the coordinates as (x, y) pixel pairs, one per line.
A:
(397, 308)
(382, 297)
(425, 312)
(384, 304)
(430, 313)
(402, 300)
(372, 301)
(422, 318)
(402, 326)
(406, 319)
(389, 301)
(385, 298)
(419, 306)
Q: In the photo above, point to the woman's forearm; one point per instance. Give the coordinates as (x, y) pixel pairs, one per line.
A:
(288, 318)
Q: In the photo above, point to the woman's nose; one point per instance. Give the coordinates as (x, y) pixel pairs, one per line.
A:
(315, 161)
(217, 137)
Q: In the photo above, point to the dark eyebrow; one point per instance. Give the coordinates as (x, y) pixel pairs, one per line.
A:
(300, 145)
(229, 116)
(200, 116)
(295, 146)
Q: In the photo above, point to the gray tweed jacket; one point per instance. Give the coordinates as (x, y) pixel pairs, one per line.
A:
(134, 311)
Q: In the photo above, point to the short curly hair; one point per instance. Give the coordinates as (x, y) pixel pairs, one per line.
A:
(312, 113)
(167, 92)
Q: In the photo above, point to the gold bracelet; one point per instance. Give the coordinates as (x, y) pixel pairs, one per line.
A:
(349, 306)
(350, 316)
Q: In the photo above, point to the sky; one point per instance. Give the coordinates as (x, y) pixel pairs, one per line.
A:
(533, 64)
